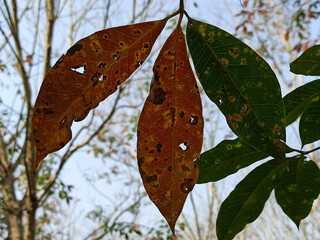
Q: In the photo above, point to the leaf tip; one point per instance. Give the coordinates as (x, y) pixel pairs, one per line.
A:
(297, 223)
(172, 226)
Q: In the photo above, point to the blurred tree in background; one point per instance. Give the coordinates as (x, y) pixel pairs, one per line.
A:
(49, 204)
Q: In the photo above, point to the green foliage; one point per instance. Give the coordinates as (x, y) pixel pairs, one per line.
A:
(239, 81)
(246, 201)
(297, 101)
(308, 63)
(227, 158)
(309, 126)
(241, 84)
(297, 188)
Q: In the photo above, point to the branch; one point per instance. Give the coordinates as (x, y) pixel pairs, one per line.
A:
(49, 30)
(188, 226)
(3, 158)
(195, 216)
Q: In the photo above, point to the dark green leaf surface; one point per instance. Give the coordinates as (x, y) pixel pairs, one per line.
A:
(309, 126)
(308, 63)
(299, 99)
(297, 188)
(246, 201)
(226, 158)
(241, 83)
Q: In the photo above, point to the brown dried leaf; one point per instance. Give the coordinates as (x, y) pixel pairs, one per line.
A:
(170, 130)
(88, 73)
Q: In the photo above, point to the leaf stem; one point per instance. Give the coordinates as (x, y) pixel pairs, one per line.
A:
(307, 152)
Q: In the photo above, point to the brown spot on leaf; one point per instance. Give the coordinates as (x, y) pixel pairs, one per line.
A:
(245, 109)
(116, 56)
(159, 147)
(152, 178)
(277, 130)
(219, 100)
(193, 120)
(48, 111)
(232, 99)
(157, 96)
(140, 161)
(74, 49)
(237, 117)
(95, 76)
(62, 144)
(223, 89)
(187, 186)
(169, 169)
(234, 52)
(58, 63)
(182, 114)
(172, 112)
(38, 110)
(102, 65)
(136, 31)
(184, 168)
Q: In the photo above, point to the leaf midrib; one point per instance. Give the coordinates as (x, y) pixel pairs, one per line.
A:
(265, 179)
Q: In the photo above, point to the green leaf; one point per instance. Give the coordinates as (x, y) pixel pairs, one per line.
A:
(308, 63)
(242, 84)
(299, 99)
(246, 201)
(226, 158)
(309, 126)
(297, 188)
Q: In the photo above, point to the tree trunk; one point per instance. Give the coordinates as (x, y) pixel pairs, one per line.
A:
(12, 210)
(31, 198)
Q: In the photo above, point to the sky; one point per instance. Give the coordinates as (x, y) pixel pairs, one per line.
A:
(82, 166)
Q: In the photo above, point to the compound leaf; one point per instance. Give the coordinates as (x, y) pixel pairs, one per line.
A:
(297, 188)
(308, 63)
(242, 84)
(299, 99)
(226, 158)
(88, 73)
(247, 200)
(170, 130)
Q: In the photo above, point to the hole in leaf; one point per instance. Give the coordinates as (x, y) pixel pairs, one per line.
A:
(102, 78)
(219, 100)
(63, 120)
(186, 187)
(102, 65)
(95, 76)
(184, 146)
(116, 56)
(79, 69)
(193, 120)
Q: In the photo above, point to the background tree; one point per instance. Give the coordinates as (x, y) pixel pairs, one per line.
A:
(34, 206)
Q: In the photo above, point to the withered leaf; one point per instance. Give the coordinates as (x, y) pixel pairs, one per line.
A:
(170, 130)
(88, 73)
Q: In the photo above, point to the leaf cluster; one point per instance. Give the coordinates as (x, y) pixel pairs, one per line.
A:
(170, 127)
